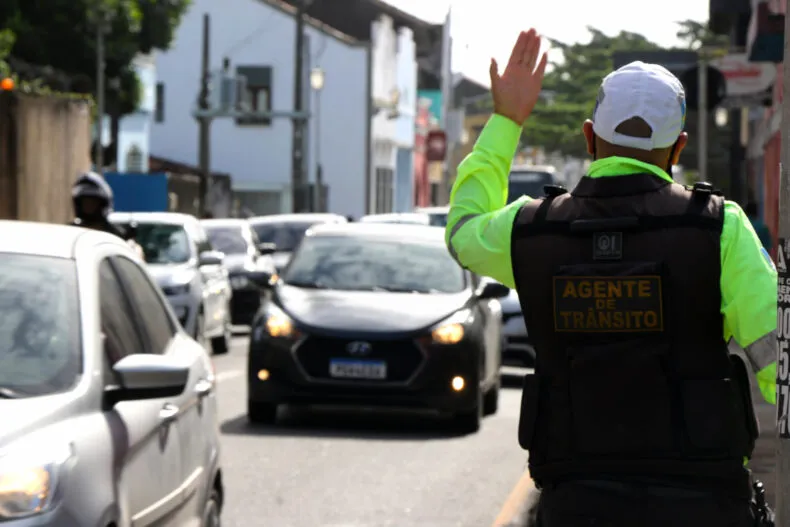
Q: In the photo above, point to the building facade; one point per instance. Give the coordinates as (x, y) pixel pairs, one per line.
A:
(134, 130)
(257, 38)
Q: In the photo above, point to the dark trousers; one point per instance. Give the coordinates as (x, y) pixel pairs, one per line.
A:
(604, 504)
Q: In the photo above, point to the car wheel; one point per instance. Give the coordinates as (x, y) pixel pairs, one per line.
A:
(211, 512)
(221, 345)
(468, 422)
(262, 413)
(491, 400)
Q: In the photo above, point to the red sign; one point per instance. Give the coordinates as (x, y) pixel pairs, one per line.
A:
(436, 145)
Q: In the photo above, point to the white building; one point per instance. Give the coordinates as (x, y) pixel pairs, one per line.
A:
(258, 37)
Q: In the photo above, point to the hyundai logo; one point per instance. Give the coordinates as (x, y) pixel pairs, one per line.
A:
(359, 348)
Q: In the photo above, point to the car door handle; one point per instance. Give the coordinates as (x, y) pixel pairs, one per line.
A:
(203, 387)
(168, 413)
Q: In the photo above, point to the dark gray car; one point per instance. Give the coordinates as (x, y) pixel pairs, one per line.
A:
(109, 416)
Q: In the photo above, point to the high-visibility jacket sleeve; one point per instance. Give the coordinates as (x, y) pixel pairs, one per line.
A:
(479, 223)
(748, 296)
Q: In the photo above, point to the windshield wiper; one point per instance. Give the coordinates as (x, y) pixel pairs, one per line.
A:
(306, 285)
(395, 289)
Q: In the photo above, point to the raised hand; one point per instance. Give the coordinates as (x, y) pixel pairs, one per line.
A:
(516, 91)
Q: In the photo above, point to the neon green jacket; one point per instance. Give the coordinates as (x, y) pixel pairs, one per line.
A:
(479, 227)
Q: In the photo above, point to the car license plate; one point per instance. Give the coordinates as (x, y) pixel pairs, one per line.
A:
(354, 369)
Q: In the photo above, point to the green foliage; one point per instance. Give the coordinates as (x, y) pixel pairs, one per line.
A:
(62, 34)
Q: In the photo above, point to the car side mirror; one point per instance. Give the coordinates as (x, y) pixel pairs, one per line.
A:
(267, 248)
(492, 290)
(211, 258)
(148, 376)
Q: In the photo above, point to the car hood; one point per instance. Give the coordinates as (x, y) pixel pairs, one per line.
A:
(171, 274)
(31, 415)
(510, 304)
(281, 259)
(369, 312)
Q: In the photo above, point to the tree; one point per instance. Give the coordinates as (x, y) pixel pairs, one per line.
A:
(62, 34)
(696, 35)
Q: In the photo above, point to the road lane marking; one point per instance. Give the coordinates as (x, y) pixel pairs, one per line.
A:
(227, 375)
(515, 501)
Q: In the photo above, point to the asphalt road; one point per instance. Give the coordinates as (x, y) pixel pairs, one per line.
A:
(322, 468)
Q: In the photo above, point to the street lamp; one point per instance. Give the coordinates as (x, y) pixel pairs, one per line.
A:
(317, 78)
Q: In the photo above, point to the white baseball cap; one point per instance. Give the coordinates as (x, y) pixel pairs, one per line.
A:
(647, 91)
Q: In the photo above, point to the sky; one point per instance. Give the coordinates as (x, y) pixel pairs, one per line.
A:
(485, 28)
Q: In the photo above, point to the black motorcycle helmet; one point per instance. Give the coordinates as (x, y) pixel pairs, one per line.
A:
(92, 197)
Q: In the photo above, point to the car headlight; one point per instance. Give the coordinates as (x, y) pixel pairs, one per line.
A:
(174, 290)
(29, 478)
(451, 330)
(278, 324)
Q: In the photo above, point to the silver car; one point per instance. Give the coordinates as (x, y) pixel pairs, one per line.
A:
(108, 407)
(189, 271)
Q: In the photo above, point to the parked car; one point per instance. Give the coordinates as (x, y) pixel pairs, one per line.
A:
(243, 254)
(529, 180)
(437, 215)
(286, 231)
(517, 348)
(189, 271)
(377, 314)
(416, 218)
(109, 409)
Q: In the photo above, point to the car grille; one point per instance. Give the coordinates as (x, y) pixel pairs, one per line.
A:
(403, 357)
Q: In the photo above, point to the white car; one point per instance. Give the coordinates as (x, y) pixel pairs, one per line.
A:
(108, 407)
(189, 271)
(437, 215)
(416, 218)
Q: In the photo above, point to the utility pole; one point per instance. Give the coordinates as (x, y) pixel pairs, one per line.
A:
(100, 64)
(204, 123)
(298, 179)
(702, 116)
(783, 305)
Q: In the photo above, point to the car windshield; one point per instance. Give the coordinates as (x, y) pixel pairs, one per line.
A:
(228, 239)
(162, 243)
(365, 264)
(39, 326)
(526, 183)
(286, 235)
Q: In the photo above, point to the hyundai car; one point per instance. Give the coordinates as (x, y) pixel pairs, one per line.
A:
(373, 314)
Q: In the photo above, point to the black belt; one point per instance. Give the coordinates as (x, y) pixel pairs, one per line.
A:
(649, 489)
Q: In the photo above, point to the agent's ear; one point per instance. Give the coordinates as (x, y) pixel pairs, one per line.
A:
(589, 136)
(683, 140)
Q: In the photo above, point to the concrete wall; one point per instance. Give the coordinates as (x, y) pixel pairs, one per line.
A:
(44, 144)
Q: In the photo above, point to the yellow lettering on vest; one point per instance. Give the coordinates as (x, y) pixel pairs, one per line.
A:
(594, 304)
(570, 290)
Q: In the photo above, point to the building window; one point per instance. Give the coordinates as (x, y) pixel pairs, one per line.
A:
(159, 108)
(257, 94)
(384, 190)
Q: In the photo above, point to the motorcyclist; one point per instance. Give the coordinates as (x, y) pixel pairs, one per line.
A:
(92, 199)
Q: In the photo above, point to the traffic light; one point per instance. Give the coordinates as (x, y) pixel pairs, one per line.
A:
(717, 87)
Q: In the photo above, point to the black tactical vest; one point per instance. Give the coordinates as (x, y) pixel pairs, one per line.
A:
(619, 286)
